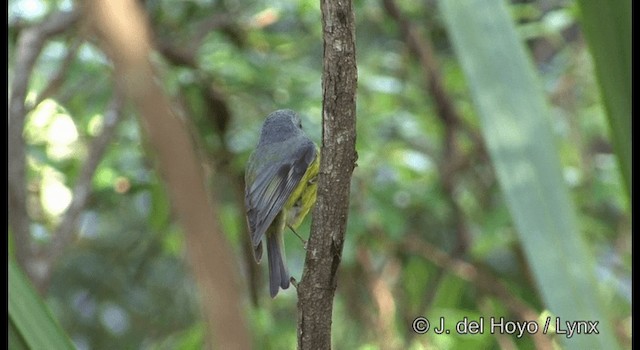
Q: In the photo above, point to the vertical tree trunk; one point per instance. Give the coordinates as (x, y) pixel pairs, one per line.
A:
(338, 157)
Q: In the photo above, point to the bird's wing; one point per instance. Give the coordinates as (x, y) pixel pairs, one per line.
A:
(271, 187)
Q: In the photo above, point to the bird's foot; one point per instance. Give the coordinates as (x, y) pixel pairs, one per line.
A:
(304, 242)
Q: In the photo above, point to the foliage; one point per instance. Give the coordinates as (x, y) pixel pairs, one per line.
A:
(30, 324)
(430, 231)
(519, 139)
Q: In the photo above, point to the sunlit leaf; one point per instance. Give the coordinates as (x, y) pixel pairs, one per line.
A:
(516, 128)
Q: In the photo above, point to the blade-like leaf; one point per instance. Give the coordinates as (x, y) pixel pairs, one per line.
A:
(30, 317)
(516, 127)
(607, 27)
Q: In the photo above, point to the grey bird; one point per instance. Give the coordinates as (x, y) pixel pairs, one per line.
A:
(280, 189)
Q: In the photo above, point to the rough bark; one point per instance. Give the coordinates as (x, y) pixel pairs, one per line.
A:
(338, 159)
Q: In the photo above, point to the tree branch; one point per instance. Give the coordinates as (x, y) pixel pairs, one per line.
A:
(218, 114)
(58, 78)
(339, 81)
(383, 325)
(29, 46)
(65, 232)
(422, 49)
(481, 279)
(126, 37)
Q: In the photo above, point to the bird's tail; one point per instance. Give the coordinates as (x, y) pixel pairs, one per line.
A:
(278, 272)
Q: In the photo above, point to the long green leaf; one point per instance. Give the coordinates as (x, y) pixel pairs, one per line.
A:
(516, 127)
(30, 317)
(607, 27)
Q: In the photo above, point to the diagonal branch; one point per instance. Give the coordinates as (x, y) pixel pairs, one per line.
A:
(422, 49)
(383, 325)
(126, 37)
(485, 281)
(56, 81)
(64, 233)
(30, 44)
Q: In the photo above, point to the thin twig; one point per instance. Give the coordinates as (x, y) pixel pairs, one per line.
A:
(382, 295)
(179, 56)
(422, 49)
(480, 278)
(65, 231)
(58, 78)
(30, 44)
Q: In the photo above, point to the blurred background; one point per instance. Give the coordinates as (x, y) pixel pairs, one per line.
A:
(429, 232)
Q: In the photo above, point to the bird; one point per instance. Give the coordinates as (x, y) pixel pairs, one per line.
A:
(280, 189)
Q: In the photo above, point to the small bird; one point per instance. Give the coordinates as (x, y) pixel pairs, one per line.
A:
(280, 189)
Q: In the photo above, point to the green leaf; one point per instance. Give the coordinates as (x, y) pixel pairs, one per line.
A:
(516, 127)
(607, 27)
(16, 342)
(30, 317)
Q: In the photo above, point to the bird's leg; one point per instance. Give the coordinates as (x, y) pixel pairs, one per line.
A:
(301, 239)
(293, 282)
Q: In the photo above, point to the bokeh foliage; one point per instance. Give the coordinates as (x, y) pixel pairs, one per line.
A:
(125, 281)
